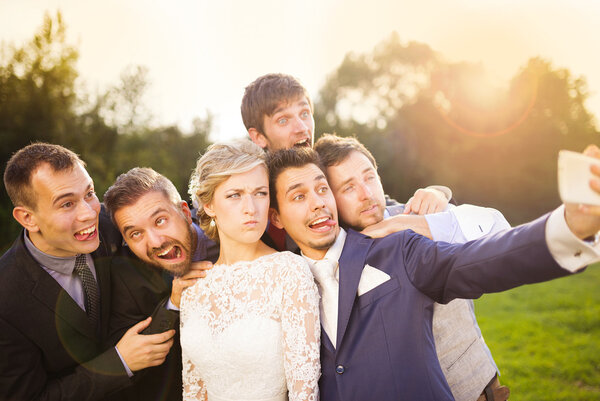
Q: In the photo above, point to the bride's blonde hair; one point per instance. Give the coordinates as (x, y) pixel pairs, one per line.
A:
(217, 164)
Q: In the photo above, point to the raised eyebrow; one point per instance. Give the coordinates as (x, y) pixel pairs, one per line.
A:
(320, 177)
(278, 110)
(71, 194)
(293, 187)
(131, 227)
(369, 169)
(158, 211)
(304, 103)
(126, 229)
(346, 181)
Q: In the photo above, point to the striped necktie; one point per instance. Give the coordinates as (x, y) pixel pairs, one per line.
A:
(90, 289)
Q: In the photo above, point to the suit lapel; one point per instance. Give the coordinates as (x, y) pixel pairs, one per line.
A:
(326, 341)
(47, 291)
(351, 264)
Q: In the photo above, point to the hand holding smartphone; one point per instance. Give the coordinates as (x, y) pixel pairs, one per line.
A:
(574, 177)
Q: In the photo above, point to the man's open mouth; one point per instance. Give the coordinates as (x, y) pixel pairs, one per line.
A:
(86, 234)
(170, 253)
(322, 223)
(302, 142)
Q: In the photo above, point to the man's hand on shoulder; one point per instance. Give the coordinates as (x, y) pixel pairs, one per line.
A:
(426, 201)
(197, 270)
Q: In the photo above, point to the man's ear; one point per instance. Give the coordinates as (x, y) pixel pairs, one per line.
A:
(274, 218)
(26, 218)
(258, 138)
(186, 211)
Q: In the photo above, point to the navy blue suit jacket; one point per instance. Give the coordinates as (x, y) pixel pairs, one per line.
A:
(385, 348)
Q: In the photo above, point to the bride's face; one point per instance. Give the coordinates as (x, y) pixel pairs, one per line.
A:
(240, 206)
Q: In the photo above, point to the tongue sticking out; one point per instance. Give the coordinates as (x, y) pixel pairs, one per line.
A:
(323, 224)
(172, 254)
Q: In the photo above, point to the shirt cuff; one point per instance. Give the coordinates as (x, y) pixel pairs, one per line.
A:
(129, 372)
(169, 305)
(568, 251)
(442, 226)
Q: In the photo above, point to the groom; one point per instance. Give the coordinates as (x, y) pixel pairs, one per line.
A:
(378, 294)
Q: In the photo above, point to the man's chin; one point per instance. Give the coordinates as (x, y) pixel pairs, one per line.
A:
(366, 222)
(176, 269)
(323, 244)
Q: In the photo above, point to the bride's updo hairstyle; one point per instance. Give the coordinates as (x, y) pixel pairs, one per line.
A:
(216, 165)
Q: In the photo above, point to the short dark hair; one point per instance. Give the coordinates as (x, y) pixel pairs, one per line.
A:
(333, 149)
(284, 159)
(137, 182)
(262, 97)
(23, 164)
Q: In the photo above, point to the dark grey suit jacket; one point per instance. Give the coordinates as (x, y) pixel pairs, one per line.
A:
(49, 349)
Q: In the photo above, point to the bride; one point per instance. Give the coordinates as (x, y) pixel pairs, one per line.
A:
(250, 329)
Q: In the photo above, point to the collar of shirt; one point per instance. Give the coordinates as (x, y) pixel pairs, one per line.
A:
(386, 214)
(333, 253)
(60, 265)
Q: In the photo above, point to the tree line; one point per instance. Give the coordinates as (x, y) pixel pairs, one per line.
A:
(426, 121)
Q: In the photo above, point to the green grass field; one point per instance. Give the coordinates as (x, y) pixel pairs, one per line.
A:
(545, 338)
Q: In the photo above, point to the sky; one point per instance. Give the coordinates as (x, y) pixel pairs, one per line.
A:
(201, 54)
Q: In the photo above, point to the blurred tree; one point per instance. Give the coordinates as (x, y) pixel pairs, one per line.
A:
(39, 101)
(168, 150)
(37, 98)
(429, 121)
(122, 106)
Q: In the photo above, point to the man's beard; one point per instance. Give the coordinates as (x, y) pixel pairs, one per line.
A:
(188, 247)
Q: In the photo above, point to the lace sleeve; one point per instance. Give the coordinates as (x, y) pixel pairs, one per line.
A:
(193, 386)
(301, 330)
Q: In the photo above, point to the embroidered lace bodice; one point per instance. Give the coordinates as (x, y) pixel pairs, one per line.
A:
(250, 331)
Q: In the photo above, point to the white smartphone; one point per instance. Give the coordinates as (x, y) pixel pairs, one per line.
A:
(574, 178)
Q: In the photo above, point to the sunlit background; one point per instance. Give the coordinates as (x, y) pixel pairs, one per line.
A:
(478, 95)
(201, 54)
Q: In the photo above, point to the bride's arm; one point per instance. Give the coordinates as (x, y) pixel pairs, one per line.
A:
(193, 386)
(301, 331)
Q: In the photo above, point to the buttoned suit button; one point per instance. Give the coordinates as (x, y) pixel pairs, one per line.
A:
(339, 369)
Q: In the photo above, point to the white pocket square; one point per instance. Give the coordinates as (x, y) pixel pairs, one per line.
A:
(371, 278)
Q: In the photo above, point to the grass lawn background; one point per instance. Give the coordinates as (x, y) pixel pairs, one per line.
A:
(545, 338)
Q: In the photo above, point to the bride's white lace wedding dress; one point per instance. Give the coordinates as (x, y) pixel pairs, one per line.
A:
(250, 331)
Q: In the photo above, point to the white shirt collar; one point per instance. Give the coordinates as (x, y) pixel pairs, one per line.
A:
(335, 251)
